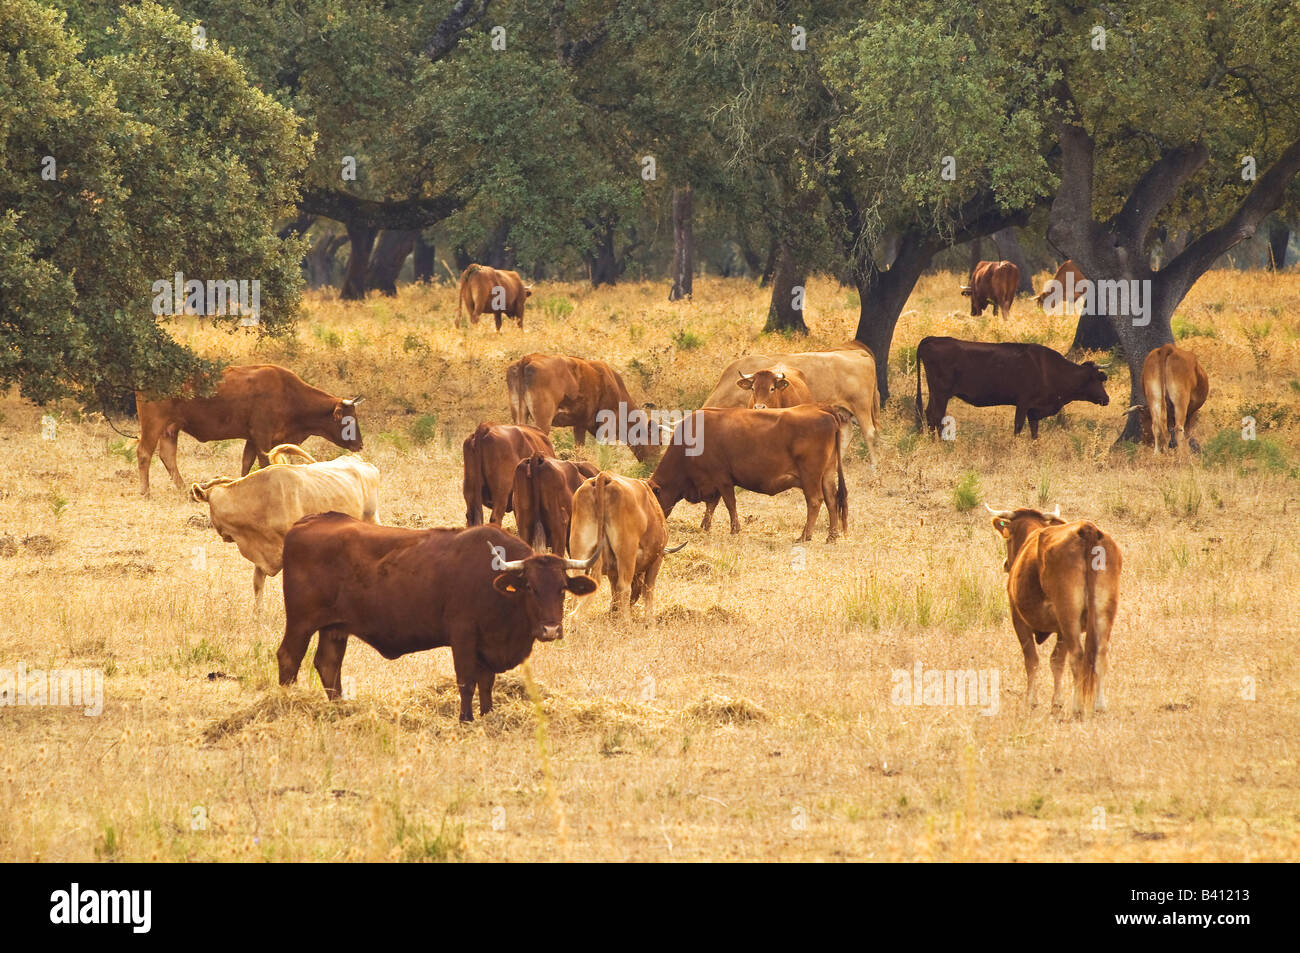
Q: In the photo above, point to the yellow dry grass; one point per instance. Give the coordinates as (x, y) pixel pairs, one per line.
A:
(754, 720)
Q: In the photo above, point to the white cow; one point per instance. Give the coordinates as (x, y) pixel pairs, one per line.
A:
(255, 512)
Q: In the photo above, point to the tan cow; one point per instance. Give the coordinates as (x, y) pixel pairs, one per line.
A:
(256, 511)
(491, 454)
(845, 378)
(1172, 379)
(618, 520)
(778, 386)
(1062, 578)
(1069, 284)
(992, 282)
(484, 289)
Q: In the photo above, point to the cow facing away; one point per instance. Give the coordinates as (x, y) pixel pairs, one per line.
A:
(1034, 379)
(1172, 379)
(552, 390)
(778, 386)
(256, 512)
(844, 378)
(480, 591)
(618, 522)
(1068, 276)
(992, 282)
(484, 290)
(262, 404)
(543, 499)
(491, 454)
(1062, 578)
(765, 451)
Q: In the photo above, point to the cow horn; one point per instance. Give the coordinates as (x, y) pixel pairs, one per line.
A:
(747, 377)
(666, 431)
(582, 563)
(512, 565)
(354, 401)
(965, 288)
(1131, 409)
(780, 375)
(1000, 514)
(676, 549)
(1056, 512)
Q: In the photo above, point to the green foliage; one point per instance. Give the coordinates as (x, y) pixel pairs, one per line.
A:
(424, 429)
(966, 495)
(1228, 449)
(686, 340)
(167, 159)
(1184, 328)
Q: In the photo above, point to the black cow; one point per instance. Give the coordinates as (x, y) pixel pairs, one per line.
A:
(1034, 379)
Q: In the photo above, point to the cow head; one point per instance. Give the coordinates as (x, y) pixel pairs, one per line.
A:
(538, 585)
(1015, 526)
(762, 384)
(528, 291)
(349, 429)
(1093, 386)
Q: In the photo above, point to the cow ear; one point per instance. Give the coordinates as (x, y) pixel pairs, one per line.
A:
(782, 384)
(1002, 526)
(580, 585)
(508, 584)
(745, 383)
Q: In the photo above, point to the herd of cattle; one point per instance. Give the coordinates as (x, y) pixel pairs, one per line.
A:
(772, 423)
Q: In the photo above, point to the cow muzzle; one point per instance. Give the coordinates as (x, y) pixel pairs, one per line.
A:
(551, 633)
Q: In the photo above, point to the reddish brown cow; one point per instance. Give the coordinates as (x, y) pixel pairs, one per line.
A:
(766, 451)
(778, 386)
(543, 500)
(1172, 379)
(480, 591)
(552, 390)
(1063, 578)
(484, 289)
(491, 454)
(992, 282)
(262, 404)
(1034, 379)
(1067, 277)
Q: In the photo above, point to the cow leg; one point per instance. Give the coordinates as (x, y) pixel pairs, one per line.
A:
(292, 648)
(1030, 649)
(935, 411)
(486, 679)
(167, 453)
(710, 504)
(259, 580)
(813, 497)
(149, 435)
(625, 569)
(497, 316)
(579, 435)
(1058, 670)
(1033, 427)
(500, 503)
(464, 660)
(832, 506)
(250, 454)
(331, 645)
(1020, 420)
(648, 587)
(729, 499)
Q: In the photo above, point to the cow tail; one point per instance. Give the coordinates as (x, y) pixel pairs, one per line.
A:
(841, 491)
(1092, 638)
(601, 487)
(535, 501)
(473, 486)
(918, 390)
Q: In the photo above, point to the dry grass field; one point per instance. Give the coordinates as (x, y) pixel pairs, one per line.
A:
(755, 718)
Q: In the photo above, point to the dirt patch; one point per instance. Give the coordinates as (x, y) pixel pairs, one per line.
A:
(40, 545)
(726, 709)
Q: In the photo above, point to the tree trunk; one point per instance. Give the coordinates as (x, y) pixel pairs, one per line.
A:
(785, 314)
(462, 258)
(683, 245)
(603, 264)
(1094, 332)
(769, 268)
(422, 264)
(1009, 249)
(386, 261)
(1139, 341)
(362, 239)
(752, 260)
(1279, 236)
(976, 254)
(320, 259)
(882, 295)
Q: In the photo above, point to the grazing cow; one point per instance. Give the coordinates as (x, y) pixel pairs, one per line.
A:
(263, 404)
(543, 500)
(845, 378)
(484, 289)
(778, 386)
(1063, 578)
(1063, 284)
(255, 512)
(618, 521)
(1172, 378)
(766, 451)
(992, 282)
(480, 591)
(1034, 379)
(552, 390)
(491, 454)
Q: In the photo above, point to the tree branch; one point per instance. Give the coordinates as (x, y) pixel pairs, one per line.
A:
(448, 32)
(1156, 189)
(407, 213)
